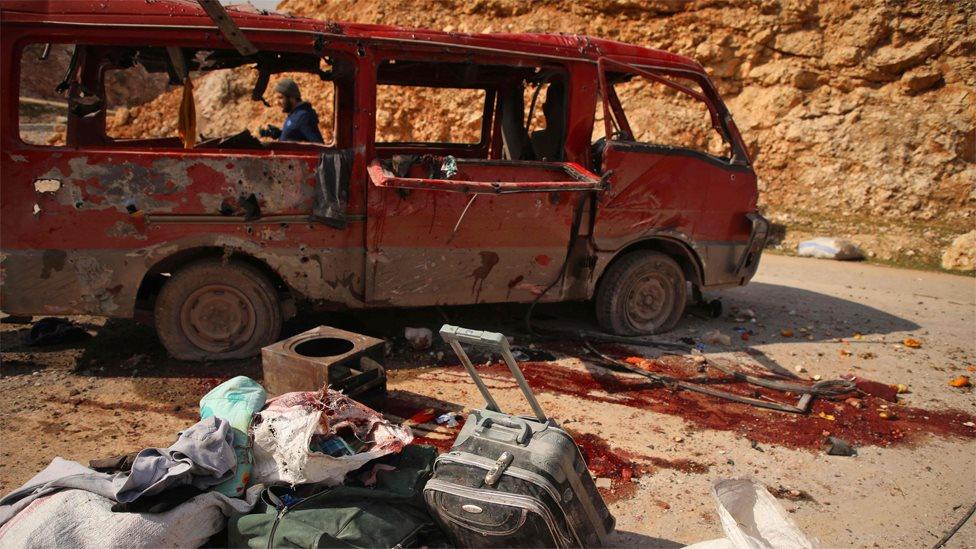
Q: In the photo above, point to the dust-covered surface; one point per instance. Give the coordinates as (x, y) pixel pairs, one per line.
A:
(911, 480)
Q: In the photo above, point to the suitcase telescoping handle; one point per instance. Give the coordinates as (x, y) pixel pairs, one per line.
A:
(493, 341)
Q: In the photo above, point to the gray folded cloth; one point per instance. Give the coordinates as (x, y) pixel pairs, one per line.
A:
(203, 456)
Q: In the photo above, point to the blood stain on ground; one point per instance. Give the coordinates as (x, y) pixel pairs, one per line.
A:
(623, 467)
(858, 426)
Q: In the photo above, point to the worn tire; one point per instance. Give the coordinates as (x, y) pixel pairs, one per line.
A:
(215, 310)
(641, 293)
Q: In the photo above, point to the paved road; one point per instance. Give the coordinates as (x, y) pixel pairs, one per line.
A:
(117, 393)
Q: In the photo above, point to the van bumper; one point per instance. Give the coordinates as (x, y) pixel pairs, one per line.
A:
(730, 264)
(749, 262)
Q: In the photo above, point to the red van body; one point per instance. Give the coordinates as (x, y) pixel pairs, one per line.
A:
(219, 242)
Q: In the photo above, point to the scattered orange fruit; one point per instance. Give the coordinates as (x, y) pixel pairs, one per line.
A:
(885, 414)
(786, 332)
(901, 388)
(961, 381)
(912, 343)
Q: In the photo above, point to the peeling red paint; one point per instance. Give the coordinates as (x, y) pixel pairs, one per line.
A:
(497, 230)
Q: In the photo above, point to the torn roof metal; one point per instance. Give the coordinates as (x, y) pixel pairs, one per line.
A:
(189, 15)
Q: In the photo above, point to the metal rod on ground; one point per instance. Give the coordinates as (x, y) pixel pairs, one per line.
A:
(945, 539)
(634, 341)
(667, 380)
(828, 387)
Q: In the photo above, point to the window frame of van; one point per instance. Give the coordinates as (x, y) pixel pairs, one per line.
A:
(281, 147)
(614, 117)
(490, 142)
(487, 112)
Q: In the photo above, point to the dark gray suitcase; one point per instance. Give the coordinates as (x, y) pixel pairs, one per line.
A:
(513, 481)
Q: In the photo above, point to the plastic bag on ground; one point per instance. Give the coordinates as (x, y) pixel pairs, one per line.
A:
(829, 248)
(753, 519)
(283, 433)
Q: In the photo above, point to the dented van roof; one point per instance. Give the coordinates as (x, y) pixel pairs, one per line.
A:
(188, 14)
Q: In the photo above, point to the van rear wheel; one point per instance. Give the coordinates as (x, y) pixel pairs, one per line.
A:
(641, 293)
(211, 310)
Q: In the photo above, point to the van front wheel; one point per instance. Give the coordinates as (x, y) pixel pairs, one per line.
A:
(211, 310)
(641, 293)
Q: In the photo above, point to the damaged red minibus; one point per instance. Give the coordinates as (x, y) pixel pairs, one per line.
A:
(584, 169)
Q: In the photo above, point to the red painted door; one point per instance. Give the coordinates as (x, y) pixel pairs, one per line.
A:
(432, 247)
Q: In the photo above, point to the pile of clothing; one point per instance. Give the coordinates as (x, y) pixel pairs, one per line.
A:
(310, 469)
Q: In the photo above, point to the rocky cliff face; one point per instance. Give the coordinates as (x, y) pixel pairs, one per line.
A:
(861, 116)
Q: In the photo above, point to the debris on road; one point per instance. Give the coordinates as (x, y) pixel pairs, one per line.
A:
(449, 419)
(912, 343)
(326, 356)
(744, 315)
(961, 382)
(716, 337)
(840, 447)
(830, 248)
(786, 332)
(54, 331)
(792, 494)
(419, 338)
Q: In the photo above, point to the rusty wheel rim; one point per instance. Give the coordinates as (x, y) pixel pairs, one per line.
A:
(218, 318)
(649, 301)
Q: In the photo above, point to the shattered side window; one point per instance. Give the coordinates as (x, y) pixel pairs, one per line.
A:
(415, 114)
(222, 102)
(43, 111)
(141, 105)
(662, 115)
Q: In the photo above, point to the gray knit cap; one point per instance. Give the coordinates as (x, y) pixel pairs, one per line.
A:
(288, 88)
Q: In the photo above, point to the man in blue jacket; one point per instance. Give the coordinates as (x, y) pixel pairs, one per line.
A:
(302, 123)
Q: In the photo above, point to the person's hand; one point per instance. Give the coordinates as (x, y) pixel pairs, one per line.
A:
(274, 132)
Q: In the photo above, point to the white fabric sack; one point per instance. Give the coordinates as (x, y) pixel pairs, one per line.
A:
(77, 518)
(753, 519)
(829, 248)
(718, 543)
(283, 430)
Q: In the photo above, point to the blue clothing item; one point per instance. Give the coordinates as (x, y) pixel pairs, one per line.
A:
(236, 401)
(302, 124)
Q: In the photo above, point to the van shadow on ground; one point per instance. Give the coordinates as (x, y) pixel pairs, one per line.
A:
(110, 352)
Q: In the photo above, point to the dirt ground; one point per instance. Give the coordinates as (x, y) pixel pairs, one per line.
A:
(658, 450)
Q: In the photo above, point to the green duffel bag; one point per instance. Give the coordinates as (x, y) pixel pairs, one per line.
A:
(392, 513)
